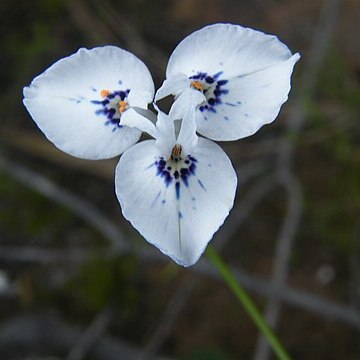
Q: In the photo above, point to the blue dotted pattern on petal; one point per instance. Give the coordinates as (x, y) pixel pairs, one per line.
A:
(213, 89)
(178, 171)
(109, 107)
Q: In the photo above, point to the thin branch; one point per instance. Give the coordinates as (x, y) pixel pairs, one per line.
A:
(82, 208)
(172, 311)
(256, 284)
(47, 331)
(91, 335)
(294, 297)
(283, 249)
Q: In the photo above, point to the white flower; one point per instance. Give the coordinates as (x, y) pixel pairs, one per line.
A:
(243, 74)
(176, 190)
(81, 101)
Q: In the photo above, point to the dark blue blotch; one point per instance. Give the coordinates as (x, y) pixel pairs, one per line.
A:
(209, 79)
(162, 172)
(177, 190)
(184, 174)
(101, 112)
(97, 102)
(211, 101)
(222, 82)
(180, 215)
(216, 76)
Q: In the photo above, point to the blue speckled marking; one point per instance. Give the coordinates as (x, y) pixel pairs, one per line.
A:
(230, 104)
(213, 89)
(109, 107)
(202, 185)
(177, 190)
(156, 199)
(175, 171)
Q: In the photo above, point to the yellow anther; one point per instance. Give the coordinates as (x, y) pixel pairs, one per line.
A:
(104, 93)
(197, 85)
(122, 106)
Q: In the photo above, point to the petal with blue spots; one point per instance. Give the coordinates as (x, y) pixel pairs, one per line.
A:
(177, 204)
(78, 101)
(243, 74)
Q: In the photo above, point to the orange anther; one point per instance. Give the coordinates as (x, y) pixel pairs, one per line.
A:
(122, 106)
(197, 85)
(104, 93)
(176, 152)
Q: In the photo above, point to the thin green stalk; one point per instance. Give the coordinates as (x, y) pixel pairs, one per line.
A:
(246, 302)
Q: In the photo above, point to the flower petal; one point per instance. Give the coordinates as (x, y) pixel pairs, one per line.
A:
(229, 48)
(248, 102)
(187, 135)
(165, 137)
(133, 119)
(172, 86)
(176, 206)
(74, 102)
(188, 99)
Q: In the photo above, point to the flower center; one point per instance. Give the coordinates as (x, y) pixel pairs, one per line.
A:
(176, 169)
(211, 87)
(112, 105)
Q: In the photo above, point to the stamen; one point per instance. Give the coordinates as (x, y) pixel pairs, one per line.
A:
(104, 93)
(197, 85)
(122, 106)
(176, 152)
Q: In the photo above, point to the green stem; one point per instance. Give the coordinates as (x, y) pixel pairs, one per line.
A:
(246, 302)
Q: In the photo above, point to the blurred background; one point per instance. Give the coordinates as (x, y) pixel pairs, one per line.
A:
(78, 282)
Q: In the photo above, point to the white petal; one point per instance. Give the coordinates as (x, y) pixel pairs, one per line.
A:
(180, 213)
(132, 119)
(165, 137)
(65, 101)
(187, 136)
(248, 103)
(140, 98)
(229, 48)
(173, 86)
(189, 98)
